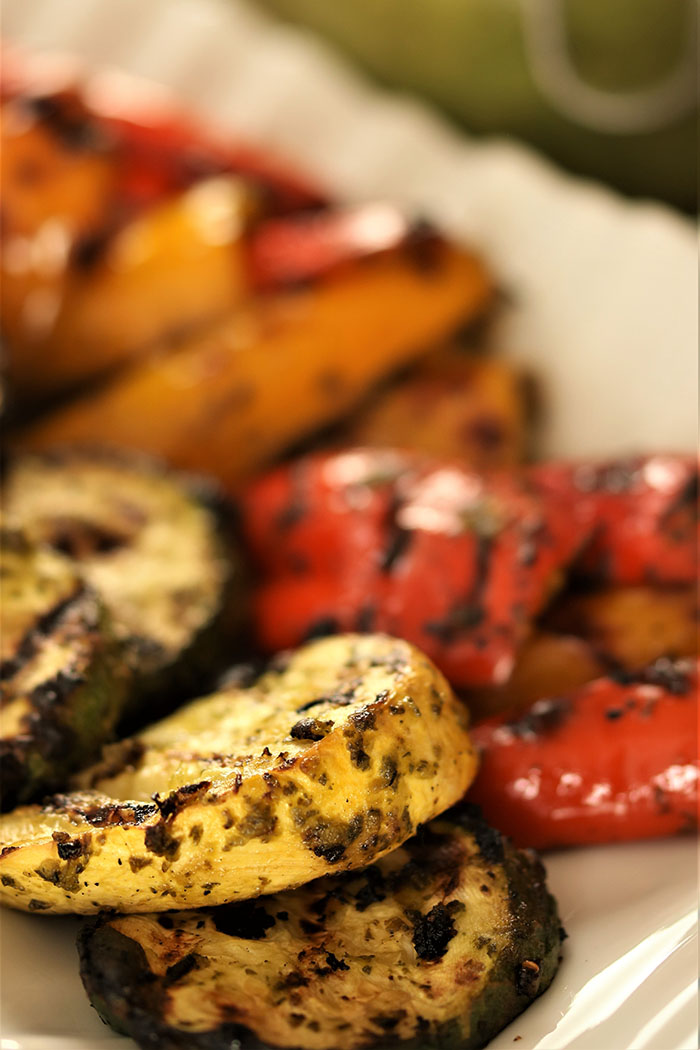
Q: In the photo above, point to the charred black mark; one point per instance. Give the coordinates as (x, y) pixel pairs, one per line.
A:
(64, 117)
(398, 539)
(36, 905)
(89, 248)
(363, 719)
(433, 932)
(180, 969)
(181, 797)
(312, 703)
(373, 891)
(388, 1021)
(68, 848)
(335, 964)
(310, 928)
(321, 628)
(527, 978)
(545, 716)
(249, 921)
(102, 816)
(311, 729)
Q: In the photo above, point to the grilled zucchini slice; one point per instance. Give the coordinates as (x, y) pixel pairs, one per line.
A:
(323, 765)
(61, 688)
(149, 544)
(440, 944)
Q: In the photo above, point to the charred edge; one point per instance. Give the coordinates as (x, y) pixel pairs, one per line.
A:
(102, 816)
(490, 842)
(180, 798)
(45, 626)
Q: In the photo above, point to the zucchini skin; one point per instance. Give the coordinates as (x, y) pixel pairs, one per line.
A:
(118, 515)
(63, 688)
(285, 971)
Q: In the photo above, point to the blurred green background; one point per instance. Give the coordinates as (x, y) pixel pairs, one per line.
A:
(607, 88)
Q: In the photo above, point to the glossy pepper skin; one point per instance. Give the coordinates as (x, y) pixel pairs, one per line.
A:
(157, 149)
(615, 760)
(643, 512)
(392, 541)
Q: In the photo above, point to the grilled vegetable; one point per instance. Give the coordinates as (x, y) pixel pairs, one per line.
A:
(155, 278)
(235, 396)
(630, 627)
(547, 664)
(452, 404)
(148, 544)
(615, 760)
(439, 944)
(644, 513)
(455, 562)
(324, 764)
(61, 688)
(116, 234)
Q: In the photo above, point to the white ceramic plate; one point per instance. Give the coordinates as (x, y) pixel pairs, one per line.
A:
(604, 310)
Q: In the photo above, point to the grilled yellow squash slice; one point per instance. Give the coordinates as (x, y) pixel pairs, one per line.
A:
(322, 765)
(147, 542)
(61, 690)
(439, 944)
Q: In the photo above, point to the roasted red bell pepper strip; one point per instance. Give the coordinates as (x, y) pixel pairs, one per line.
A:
(381, 540)
(643, 512)
(158, 149)
(613, 761)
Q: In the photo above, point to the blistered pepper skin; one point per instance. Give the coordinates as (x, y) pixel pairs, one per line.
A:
(643, 512)
(392, 541)
(616, 760)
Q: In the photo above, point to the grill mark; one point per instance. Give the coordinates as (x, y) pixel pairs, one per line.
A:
(398, 538)
(44, 626)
